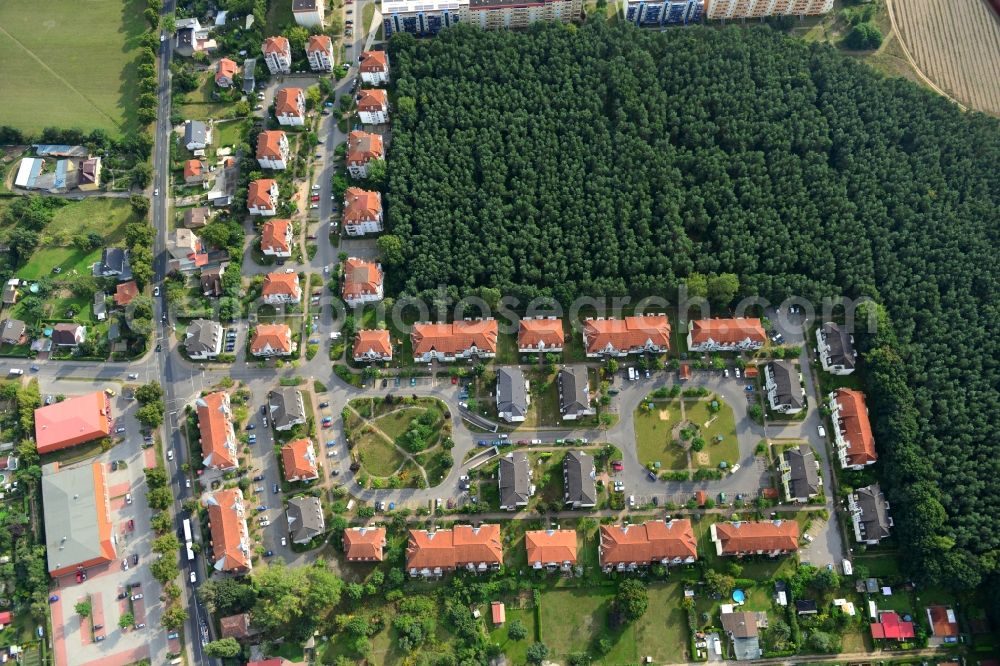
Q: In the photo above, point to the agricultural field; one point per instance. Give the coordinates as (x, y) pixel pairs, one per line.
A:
(957, 45)
(70, 68)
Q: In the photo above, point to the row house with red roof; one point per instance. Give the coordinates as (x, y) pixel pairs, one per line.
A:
(629, 547)
(852, 431)
(540, 335)
(433, 553)
(771, 538)
(363, 282)
(262, 197)
(363, 148)
(227, 521)
(459, 340)
(276, 238)
(372, 345)
(290, 107)
(362, 212)
(374, 67)
(215, 428)
(631, 335)
(714, 335)
(281, 289)
(373, 106)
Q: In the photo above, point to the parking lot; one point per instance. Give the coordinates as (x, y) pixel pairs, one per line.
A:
(99, 638)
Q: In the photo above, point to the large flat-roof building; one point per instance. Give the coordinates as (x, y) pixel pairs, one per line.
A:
(73, 421)
(78, 532)
(420, 17)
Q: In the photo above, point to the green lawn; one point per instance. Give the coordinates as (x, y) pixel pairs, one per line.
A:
(515, 651)
(72, 260)
(653, 433)
(227, 134)
(723, 424)
(71, 65)
(200, 105)
(396, 423)
(378, 456)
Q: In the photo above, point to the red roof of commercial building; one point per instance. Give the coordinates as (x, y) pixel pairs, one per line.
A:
(856, 428)
(259, 194)
(363, 146)
(73, 421)
(532, 332)
(942, 620)
(456, 337)
(499, 612)
(361, 278)
(319, 43)
(891, 627)
(447, 549)
(286, 102)
(282, 284)
(627, 333)
(215, 428)
(376, 341)
(361, 205)
(125, 292)
(269, 144)
(274, 236)
(229, 530)
(374, 61)
(299, 459)
(275, 336)
(276, 45)
(364, 544)
(550, 546)
(373, 99)
(748, 537)
(651, 541)
(727, 331)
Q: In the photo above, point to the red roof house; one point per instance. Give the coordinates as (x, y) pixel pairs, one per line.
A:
(891, 627)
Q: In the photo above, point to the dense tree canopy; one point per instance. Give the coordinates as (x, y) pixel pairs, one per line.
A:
(607, 160)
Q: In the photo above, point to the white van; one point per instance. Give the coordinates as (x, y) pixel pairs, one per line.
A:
(350, 505)
(631, 374)
(16, 372)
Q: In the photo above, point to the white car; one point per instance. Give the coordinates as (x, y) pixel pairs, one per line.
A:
(821, 430)
(187, 483)
(725, 373)
(265, 522)
(737, 372)
(125, 564)
(170, 454)
(284, 541)
(194, 577)
(163, 38)
(735, 468)
(315, 188)
(808, 537)
(156, 192)
(128, 498)
(156, 291)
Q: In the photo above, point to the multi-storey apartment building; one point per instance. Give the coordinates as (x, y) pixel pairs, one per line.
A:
(663, 12)
(277, 55)
(428, 18)
(743, 9)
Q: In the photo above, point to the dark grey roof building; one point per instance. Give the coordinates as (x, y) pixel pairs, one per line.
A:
(196, 134)
(515, 481)
(12, 331)
(869, 514)
(742, 630)
(574, 392)
(249, 65)
(799, 474)
(305, 519)
(203, 339)
(77, 529)
(286, 407)
(784, 388)
(114, 263)
(579, 475)
(512, 395)
(836, 349)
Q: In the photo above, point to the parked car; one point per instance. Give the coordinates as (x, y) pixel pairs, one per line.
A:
(268, 553)
(323, 405)
(259, 477)
(276, 489)
(284, 541)
(137, 597)
(135, 559)
(54, 598)
(821, 430)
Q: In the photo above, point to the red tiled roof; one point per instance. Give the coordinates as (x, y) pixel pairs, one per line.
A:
(296, 458)
(269, 144)
(275, 336)
(274, 236)
(890, 626)
(215, 428)
(531, 332)
(651, 541)
(377, 341)
(125, 292)
(361, 205)
(259, 194)
(623, 334)
(192, 168)
(235, 626)
(856, 427)
(941, 624)
(751, 371)
(547, 546)
(447, 549)
(364, 544)
(499, 612)
(73, 421)
(361, 277)
(319, 43)
(456, 337)
(363, 146)
(765, 537)
(374, 61)
(286, 102)
(226, 68)
(229, 530)
(276, 45)
(373, 99)
(282, 284)
(727, 331)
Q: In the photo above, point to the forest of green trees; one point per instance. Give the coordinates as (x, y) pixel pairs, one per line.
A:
(605, 160)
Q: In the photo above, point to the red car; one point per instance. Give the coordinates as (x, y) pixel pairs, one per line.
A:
(79, 576)
(314, 197)
(131, 524)
(454, 380)
(617, 465)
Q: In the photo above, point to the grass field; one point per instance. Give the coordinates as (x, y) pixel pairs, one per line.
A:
(72, 65)
(653, 435)
(721, 424)
(378, 456)
(396, 423)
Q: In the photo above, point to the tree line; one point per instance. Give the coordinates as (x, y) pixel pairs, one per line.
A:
(605, 160)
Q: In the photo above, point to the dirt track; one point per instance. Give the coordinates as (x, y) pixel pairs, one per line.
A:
(956, 45)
